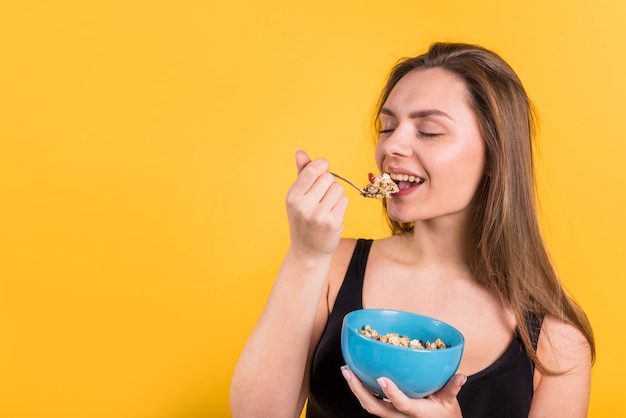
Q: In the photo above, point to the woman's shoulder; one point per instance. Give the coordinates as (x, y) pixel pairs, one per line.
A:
(345, 250)
(343, 255)
(565, 353)
(341, 258)
(562, 346)
(339, 265)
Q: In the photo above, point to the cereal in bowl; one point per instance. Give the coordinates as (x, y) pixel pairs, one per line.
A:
(401, 340)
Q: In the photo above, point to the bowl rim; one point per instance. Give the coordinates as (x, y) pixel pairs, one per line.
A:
(354, 330)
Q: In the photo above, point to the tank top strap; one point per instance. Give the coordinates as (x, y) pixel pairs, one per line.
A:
(534, 321)
(329, 394)
(350, 296)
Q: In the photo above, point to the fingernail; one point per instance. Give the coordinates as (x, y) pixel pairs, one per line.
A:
(382, 382)
(346, 373)
(463, 380)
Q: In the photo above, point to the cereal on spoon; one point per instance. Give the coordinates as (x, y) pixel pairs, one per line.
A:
(380, 186)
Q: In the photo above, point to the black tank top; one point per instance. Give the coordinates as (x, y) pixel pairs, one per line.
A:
(502, 390)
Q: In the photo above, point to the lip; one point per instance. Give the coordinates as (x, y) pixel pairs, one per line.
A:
(405, 192)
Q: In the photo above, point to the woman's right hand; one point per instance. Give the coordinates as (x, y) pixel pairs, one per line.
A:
(440, 404)
(316, 206)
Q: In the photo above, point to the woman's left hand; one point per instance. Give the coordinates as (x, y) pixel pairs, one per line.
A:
(442, 404)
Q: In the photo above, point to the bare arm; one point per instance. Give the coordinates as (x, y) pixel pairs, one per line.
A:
(270, 377)
(562, 347)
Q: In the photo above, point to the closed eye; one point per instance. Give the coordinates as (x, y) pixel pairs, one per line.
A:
(428, 134)
(385, 131)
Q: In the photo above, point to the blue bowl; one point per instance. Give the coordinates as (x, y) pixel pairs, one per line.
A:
(416, 372)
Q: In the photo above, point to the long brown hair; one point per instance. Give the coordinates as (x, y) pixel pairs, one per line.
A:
(507, 251)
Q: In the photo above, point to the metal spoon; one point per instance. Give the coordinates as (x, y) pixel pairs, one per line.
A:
(380, 187)
(361, 191)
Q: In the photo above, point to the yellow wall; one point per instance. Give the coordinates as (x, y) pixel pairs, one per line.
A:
(146, 147)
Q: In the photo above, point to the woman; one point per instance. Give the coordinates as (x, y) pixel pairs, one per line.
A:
(455, 132)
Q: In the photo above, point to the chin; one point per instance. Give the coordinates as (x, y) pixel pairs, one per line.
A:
(398, 218)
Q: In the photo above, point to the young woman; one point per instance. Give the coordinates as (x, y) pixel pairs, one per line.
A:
(455, 133)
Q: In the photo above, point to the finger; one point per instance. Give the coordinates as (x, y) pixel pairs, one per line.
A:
(341, 206)
(318, 188)
(369, 402)
(333, 198)
(310, 171)
(399, 400)
(331, 210)
(302, 159)
(452, 388)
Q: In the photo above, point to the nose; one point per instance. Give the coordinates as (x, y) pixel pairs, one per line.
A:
(397, 143)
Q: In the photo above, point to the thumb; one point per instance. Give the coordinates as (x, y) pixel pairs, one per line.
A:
(302, 159)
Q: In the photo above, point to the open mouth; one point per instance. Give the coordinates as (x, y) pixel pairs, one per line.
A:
(404, 181)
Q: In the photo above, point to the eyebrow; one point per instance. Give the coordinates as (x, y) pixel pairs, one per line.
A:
(418, 113)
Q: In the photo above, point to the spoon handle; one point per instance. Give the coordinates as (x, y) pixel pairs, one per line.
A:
(349, 182)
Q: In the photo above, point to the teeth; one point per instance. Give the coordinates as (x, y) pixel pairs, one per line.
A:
(406, 177)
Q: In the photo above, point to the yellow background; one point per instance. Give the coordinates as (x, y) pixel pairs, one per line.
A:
(146, 148)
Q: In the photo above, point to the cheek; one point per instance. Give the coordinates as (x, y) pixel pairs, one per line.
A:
(459, 166)
(467, 169)
(477, 159)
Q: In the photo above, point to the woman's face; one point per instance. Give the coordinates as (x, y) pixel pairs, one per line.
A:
(431, 145)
